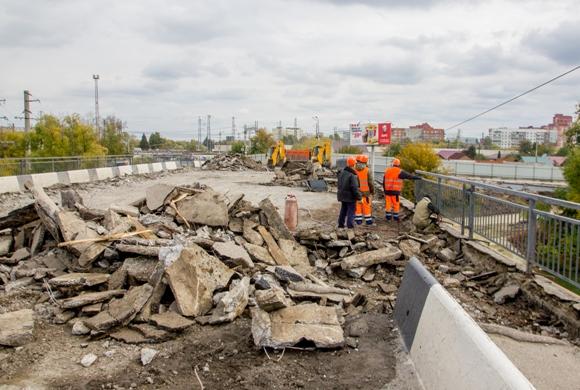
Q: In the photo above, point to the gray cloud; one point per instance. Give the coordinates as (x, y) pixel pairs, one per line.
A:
(387, 72)
(560, 44)
(395, 3)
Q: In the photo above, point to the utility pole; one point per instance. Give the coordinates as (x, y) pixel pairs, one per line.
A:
(234, 127)
(209, 144)
(97, 120)
(317, 126)
(27, 112)
(199, 132)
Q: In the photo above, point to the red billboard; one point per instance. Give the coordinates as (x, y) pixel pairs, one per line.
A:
(384, 133)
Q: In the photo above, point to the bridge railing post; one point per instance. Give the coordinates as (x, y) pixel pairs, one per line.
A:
(465, 197)
(471, 215)
(532, 228)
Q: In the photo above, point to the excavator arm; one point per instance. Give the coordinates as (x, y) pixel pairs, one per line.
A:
(277, 155)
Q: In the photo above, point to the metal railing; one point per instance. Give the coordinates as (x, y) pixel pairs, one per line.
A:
(514, 220)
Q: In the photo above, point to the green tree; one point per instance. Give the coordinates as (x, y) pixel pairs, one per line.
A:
(115, 140)
(571, 170)
(526, 148)
(12, 144)
(208, 143)
(155, 140)
(393, 150)
(70, 136)
(261, 142)
(486, 143)
(350, 149)
(470, 152)
(144, 144)
(290, 139)
(238, 147)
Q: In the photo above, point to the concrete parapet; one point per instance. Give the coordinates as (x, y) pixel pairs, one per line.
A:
(448, 348)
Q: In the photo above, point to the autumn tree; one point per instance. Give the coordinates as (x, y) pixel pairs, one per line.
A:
(115, 140)
(238, 147)
(261, 142)
(155, 140)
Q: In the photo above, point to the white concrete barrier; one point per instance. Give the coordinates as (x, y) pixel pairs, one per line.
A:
(448, 348)
(141, 168)
(45, 179)
(104, 173)
(9, 184)
(78, 176)
(16, 183)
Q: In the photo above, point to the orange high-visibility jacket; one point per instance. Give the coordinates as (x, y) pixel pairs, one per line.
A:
(363, 179)
(392, 181)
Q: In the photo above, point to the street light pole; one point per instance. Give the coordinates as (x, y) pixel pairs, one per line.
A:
(97, 121)
(317, 126)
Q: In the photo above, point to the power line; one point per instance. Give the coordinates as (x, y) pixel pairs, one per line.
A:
(514, 98)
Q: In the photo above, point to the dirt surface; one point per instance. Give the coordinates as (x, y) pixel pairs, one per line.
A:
(223, 356)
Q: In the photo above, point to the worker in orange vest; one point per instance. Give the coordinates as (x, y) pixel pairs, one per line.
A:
(367, 188)
(393, 185)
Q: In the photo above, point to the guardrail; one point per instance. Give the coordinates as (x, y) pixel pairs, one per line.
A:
(511, 219)
(32, 165)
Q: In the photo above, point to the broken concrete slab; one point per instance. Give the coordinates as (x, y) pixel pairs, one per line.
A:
(252, 236)
(447, 254)
(139, 269)
(505, 293)
(16, 328)
(152, 333)
(236, 225)
(93, 309)
(275, 221)
(316, 291)
(451, 282)
(88, 360)
(273, 247)
(156, 195)
(272, 299)
(121, 311)
(259, 254)
(296, 254)
(125, 210)
(553, 289)
(388, 254)
(112, 219)
(233, 303)
(204, 208)
(285, 273)
(193, 278)
(410, 248)
(147, 355)
(129, 336)
(6, 242)
(318, 325)
(171, 321)
(72, 228)
(89, 298)
(79, 328)
(79, 280)
(232, 251)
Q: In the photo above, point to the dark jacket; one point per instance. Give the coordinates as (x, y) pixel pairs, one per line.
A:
(348, 186)
(403, 176)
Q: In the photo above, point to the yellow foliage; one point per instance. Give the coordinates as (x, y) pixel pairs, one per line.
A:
(310, 142)
(419, 157)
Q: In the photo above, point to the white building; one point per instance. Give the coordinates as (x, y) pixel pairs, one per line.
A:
(280, 132)
(507, 138)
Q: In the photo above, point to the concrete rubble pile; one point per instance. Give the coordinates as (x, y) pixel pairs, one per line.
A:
(304, 174)
(233, 162)
(146, 272)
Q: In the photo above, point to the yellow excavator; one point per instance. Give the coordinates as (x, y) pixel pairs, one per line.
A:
(277, 155)
(322, 153)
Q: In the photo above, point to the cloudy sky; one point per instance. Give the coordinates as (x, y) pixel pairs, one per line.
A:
(162, 64)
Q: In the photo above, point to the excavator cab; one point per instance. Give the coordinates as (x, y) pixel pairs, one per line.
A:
(322, 153)
(277, 155)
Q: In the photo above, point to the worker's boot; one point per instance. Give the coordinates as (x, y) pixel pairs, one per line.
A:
(388, 216)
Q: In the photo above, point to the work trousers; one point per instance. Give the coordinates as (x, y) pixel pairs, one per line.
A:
(364, 211)
(392, 206)
(346, 215)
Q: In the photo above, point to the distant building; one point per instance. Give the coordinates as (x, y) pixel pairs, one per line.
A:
(510, 138)
(280, 132)
(418, 133)
(452, 155)
(560, 123)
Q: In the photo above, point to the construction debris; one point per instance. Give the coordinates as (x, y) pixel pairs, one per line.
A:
(16, 327)
(233, 162)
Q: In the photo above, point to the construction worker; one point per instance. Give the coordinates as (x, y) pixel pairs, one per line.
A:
(367, 188)
(348, 193)
(426, 215)
(393, 185)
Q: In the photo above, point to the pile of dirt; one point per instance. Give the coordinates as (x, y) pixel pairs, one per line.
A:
(307, 174)
(233, 162)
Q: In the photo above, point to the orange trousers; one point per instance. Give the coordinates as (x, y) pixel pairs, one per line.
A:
(392, 206)
(363, 210)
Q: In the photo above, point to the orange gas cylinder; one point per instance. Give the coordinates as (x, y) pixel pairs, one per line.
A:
(291, 212)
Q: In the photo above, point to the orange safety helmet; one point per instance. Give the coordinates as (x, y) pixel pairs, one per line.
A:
(351, 161)
(362, 158)
(396, 162)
